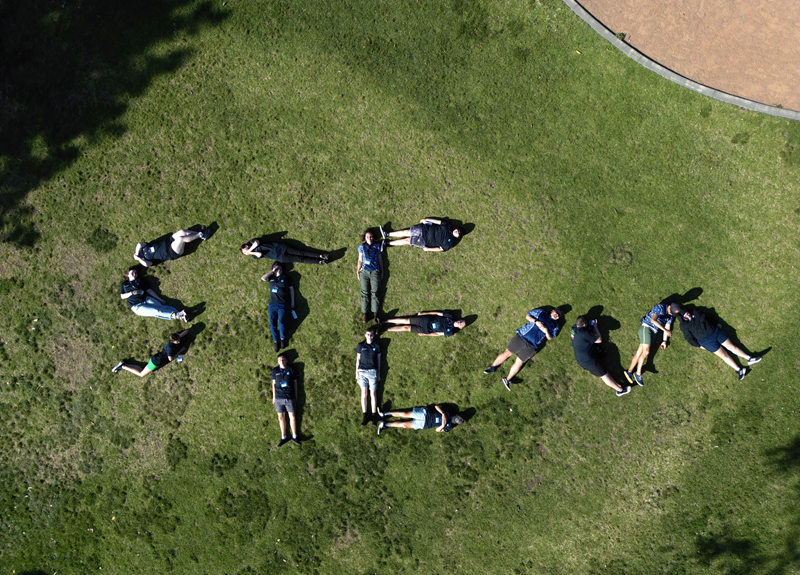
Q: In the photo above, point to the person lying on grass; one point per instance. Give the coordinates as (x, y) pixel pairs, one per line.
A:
(368, 372)
(439, 417)
(281, 252)
(171, 248)
(281, 298)
(700, 331)
(528, 341)
(172, 350)
(369, 271)
(143, 301)
(658, 318)
(430, 234)
(284, 383)
(585, 344)
(431, 323)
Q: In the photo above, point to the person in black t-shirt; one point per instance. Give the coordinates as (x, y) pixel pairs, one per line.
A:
(585, 340)
(432, 323)
(281, 299)
(152, 253)
(284, 382)
(438, 417)
(172, 350)
(281, 252)
(430, 234)
(368, 372)
(144, 301)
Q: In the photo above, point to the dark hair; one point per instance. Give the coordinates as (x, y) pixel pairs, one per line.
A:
(371, 330)
(276, 265)
(129, 270)
(676, 308)
(245, 246)
(457, 420)
(580, 321)
(175, 338)
(364, 235)
(280, 355)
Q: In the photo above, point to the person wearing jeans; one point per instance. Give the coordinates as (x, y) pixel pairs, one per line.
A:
(281, 295)
(144, 301)
(369, 272)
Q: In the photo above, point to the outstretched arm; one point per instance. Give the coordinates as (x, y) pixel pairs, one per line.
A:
(430, 221)
(432, 250)
(430, 313)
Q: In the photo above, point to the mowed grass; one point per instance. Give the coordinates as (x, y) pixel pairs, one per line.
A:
(589, 182)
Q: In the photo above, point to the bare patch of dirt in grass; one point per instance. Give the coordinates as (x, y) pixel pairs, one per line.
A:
(63, 464)
(71, 359)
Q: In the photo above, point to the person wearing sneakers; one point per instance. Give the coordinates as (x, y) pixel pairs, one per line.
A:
(700, 331)
(144, 301)
(528, 341)
(281, 252)
(429, 323)
(281, 295)
(585, 340)
(438, 417)
(284, 382)
(368, 372)
(173, 349)
(430, 234)
(171, 248)
(369, 271)
(658, 318)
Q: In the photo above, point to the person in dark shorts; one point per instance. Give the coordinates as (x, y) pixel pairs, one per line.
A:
(369, 271)
(585, 340)
(281, 252)
(284, 384)
(143, 301)
(172, 350)
(430, 234)
(281, 301)
(368, 373)
(438, 417)
(152, 253)
(658, 318)
(430, 323)
(528, 341)
(700, 331)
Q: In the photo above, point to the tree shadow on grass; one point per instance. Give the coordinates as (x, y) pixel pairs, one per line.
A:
(70, 70)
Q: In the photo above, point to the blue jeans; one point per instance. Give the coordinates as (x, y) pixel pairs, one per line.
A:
(153, 308)
(277, 313)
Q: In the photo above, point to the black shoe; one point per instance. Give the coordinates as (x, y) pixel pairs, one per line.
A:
(753, 360)
(117, 367)
(366, 419)
(742, 373)
(626, 389)
(638, 379)
(381, 426)
(283, 344)
(277, 347)
(203, 233)
(506, 383)
(489, 370)
(375, 419)
(295, 441)
(283, 441)
(628, 376)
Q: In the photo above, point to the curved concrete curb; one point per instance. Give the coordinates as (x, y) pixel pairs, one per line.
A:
(653, 66)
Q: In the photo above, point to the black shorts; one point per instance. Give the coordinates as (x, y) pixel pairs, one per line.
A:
(523, 349)
(595, 368)
(418, 324)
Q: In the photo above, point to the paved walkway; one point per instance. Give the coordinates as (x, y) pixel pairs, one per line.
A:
(748, 48)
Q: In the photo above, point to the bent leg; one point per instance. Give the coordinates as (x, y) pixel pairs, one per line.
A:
(181, 238)
(518, 363)
(611, 382)
(140, 372)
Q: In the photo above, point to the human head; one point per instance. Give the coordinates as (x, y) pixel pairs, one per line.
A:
(581, 321)
(459, 324)
(245, 247)
(283, 361)
(555, 315)
(131, 274)
(369, 237)
(456, 233)
(175, 338)
(675, 309)
(277, 269)
(369, 335)
(457, 420)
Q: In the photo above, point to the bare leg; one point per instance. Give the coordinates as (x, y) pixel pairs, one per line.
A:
(365, 400)
(500, 360)
(398, 413)
(726, 357)
(400, 328)
(398, 320)
(400, 234)
(404, 424)
(293, 424)
(635, 358)
(644, 351)
(374, 396)
(402, 242)
(732, 347)
(181, 238)
(282, 423)
(610, 382)
(518, 363)
(140, 372)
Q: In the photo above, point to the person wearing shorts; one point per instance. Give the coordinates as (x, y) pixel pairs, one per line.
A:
(430, 234)
(281, 252)
(658, 318)
(369, 271)
(700, 331)
(585, 339)
(368, 372)
(427, 323)
(143, 301)
(284, 382)
(171, 350)
(152, 253)
(528, 341)
(438, 417)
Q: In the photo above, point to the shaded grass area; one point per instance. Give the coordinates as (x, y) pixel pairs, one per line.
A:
(590, 183)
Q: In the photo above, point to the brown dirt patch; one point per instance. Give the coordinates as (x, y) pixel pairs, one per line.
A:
(72, 361)
(744, 47)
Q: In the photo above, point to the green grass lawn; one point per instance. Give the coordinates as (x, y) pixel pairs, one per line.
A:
(589, 182)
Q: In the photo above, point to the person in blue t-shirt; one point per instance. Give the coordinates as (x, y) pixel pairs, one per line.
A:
(369, 272)
(528, 341)
(430, 234)
(658, 318)
(431, 323)
(438, 417)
